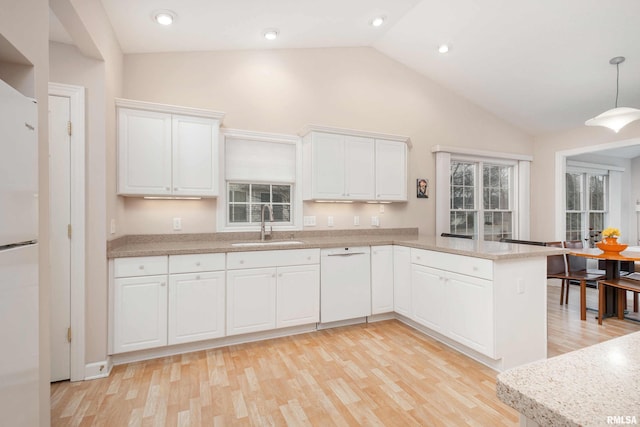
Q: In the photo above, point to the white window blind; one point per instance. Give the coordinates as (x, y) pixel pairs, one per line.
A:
(259, 161)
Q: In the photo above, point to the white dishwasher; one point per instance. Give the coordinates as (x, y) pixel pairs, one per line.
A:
(345, 283)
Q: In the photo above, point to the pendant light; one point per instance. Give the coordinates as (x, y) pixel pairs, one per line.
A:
(618, 117)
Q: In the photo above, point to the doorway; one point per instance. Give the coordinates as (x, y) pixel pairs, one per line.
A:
(66, 230)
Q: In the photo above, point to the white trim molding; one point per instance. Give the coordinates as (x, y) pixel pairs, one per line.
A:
(76, 96)
(97, 370)
(166, 108)
(354, 132)
(481, 153)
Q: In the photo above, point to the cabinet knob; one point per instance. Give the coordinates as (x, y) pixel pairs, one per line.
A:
(241, 261)
(274, 275)
(308, 258)
(175, 188)
(141, 267)
(198, 264)
(167, 188)
(198, 277)
(162, 284)
(417, 257)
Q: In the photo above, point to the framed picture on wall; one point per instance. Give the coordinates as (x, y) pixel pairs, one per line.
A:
(422, 188)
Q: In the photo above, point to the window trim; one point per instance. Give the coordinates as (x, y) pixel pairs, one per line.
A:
(222, 208)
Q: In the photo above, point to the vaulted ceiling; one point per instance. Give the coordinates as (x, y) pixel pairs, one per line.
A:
(542, 65)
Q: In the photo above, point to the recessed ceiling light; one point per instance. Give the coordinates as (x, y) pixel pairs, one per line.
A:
(377, 21)
(443, 48)
(164, 17)
(270, 34)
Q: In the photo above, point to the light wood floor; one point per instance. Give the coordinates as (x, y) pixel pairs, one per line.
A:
(381, 374)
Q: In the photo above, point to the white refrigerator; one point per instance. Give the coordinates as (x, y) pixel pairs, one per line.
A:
(19, 368)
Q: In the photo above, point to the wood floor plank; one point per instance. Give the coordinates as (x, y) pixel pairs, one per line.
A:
(384, 373)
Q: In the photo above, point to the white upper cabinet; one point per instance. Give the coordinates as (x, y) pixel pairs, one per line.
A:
(341, 164)
(165, 150)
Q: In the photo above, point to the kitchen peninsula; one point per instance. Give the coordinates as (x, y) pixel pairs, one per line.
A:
(485, 299)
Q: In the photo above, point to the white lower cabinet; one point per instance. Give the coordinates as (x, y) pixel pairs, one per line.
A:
(139, 313)
(251, 300)
(273, 289)
(381, 279)
(165, 300)
(196, 307)
(402, 280)
(459, 306)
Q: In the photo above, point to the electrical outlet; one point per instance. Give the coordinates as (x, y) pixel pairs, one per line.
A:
(177, 224)
(112, 227)
(520, 286)
(356, 220)
(309, 221)
(375, 221)
(329, 221)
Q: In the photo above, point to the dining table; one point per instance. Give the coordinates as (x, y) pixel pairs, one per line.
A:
(612, 270)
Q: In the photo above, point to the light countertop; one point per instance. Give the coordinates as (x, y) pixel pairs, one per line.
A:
(149, 245)
(580, 388)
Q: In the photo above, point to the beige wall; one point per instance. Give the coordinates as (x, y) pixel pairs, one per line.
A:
(283, 90)
(543, 189)
(24, 24)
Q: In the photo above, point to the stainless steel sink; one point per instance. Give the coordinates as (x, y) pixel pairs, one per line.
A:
(269, 243)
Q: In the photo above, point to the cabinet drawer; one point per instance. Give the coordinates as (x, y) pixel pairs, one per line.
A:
(470, 266)
(260, 259)
(194, 263)
(140, 266)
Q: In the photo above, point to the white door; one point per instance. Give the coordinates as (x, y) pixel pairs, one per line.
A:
(328, 166)
(427, 297)
(59, 241)
(139, 313)
(381, 279)
(196, 307)
(359, 168)
(402, 280)
(144, 152)
(251, 300)
(195, 148)
(391, 170)
(298, 295)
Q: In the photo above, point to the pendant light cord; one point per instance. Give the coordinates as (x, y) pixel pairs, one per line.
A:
(617, 82)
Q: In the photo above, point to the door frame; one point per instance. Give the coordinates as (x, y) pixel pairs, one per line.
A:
(76, 96)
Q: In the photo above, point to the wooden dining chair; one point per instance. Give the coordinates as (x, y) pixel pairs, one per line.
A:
(577, 271)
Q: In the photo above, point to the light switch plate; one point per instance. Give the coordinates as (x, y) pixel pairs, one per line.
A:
(356, 220)
(112, 227)
(375, 221)
(309, 221)
(329, 221)
(177, 224)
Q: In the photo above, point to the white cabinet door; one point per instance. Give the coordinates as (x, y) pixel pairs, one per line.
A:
(298, 295)
(196, 306)
(195, 152)
(144, 152)
(251, 300)
(391, 170)
(381, 279)
(140, 313)
(473, 297)
(402, 280)
(359, 168)
(428, 297)
(328, 180)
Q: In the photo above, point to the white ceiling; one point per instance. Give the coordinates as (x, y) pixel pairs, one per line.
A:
(542, 65)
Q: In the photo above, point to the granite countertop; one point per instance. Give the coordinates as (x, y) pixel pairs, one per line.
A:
(172, 244)
(580, 388)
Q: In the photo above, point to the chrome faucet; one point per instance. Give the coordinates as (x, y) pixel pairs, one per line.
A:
(264, 235)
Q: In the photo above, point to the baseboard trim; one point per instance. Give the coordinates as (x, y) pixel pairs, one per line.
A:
(97, 370)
